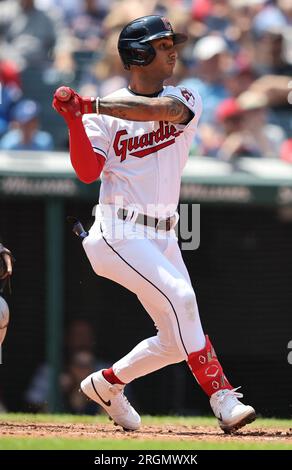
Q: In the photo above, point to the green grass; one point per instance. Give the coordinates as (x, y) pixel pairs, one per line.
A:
(7, 443)
(27, 443)
(47, 418)
(103, 419)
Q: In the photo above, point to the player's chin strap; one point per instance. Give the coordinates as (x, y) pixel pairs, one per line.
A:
(77, 227)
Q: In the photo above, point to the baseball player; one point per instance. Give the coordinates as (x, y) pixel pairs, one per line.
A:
(6, 267)
(139, 138)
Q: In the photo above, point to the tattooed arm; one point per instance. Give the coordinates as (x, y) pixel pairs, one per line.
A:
(140, 108)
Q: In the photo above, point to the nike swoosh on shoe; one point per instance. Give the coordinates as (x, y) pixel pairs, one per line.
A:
(106, 403)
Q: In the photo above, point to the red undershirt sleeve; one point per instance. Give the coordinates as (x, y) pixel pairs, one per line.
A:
(87, 163)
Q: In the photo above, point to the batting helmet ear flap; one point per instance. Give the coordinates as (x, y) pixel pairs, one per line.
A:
(135, 53)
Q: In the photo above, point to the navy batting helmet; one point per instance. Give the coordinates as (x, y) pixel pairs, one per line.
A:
(134, 41)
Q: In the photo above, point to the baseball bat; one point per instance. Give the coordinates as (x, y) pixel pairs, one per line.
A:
(64, 93)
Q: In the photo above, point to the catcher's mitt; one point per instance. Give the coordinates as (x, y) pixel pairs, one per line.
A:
(6, 263)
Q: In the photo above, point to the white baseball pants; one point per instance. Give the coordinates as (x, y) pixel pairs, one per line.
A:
(154, 270)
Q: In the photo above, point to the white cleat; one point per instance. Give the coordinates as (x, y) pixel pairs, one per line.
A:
(231, 413)
(112, 399)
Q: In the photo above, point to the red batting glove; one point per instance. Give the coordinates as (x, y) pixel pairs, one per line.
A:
(74, 108)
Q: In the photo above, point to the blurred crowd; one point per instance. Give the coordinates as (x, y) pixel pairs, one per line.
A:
(239, 58)
(79, 360)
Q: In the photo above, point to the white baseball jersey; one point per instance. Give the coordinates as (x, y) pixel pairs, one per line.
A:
(144, 160)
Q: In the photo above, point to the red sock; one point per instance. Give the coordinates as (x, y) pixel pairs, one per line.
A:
(110, 376)
(207, 369)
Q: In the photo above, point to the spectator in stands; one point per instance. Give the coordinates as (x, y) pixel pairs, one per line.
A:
(286, 151)
(65, 8)
(31, 35)
(79, 336)
(80, 365)
(228, 121)
(6, 106)
(228, 115)
(269, 28)
(107, 74)
(239, 76)
(213, 13)
(208, 71)
(267, 137)
(87, 26)
(25, 133)
(125, 11)
(286, 8)
(256, 138)
(10, 92)
(275, 88)
(242, 13)
(78, 361)
(9, 74)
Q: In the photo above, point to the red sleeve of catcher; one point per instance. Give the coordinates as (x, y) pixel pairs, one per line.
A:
(87, 164)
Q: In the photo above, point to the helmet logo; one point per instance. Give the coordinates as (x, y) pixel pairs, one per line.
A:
(166, 23)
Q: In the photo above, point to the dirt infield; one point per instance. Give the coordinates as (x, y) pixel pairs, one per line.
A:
(153, 432)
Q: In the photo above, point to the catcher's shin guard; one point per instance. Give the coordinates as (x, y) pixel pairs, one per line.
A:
(207, 370)
(4, 319)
